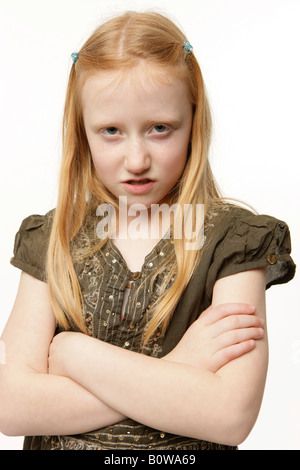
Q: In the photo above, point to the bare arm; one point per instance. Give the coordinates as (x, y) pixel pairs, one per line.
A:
(31, 401)
(248, 373)
(177, 397)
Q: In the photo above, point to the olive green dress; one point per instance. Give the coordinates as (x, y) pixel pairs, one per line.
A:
(236, 240)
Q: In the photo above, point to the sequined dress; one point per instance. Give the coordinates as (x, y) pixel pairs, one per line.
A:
(236, 240)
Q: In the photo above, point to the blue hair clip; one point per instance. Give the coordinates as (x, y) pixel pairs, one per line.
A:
(75, 57)
(188, 47)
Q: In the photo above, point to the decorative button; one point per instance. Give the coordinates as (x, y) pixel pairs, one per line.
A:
(138, 304)
(161, 253)
(114, 260)
(111, 297)
(150, 265)
(162, 435)
(271, 259)
(126, 344)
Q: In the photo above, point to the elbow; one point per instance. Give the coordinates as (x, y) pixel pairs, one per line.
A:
(9, 425)
(229, 428)
(9, 410)
(6, 429)
(6, 421)
(6, 418)
(238, 428)
(236, 435)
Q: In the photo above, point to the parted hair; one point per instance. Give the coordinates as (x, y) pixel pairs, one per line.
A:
(119, 44)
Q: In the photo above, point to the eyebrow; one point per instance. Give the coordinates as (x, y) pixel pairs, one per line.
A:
(105, 123)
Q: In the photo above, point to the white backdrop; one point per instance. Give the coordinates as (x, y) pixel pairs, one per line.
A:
(249, 54)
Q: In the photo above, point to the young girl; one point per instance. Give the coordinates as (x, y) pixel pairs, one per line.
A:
(122, 341)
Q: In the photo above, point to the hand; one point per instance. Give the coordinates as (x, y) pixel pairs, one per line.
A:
(218, 336)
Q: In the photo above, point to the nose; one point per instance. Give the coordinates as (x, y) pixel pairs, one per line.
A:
(137, 157)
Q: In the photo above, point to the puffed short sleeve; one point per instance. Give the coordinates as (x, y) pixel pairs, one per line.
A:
(253, 241)
(31, 244)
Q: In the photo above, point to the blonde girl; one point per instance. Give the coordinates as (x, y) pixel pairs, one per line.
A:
(125, 342)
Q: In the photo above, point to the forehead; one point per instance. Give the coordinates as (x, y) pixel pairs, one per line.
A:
(146, 85)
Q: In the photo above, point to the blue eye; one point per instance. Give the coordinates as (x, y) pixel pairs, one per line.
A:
(160, 128)
(111, 130)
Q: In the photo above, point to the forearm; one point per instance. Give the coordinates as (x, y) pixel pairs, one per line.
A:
(34, 403)
(169, 396)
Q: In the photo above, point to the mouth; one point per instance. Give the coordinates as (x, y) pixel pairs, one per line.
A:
(138, 185)
(139, 181)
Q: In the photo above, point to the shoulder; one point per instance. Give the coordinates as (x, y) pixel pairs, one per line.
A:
(36, 221)
(240, 240)
(229, 221)
(229, 218)
(31, 243)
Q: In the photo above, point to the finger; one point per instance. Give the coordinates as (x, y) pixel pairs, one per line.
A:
(234, 322)
(213, 314)
(238, 336)
(222, 357)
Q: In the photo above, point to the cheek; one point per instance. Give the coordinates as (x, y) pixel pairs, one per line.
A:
(99, 165)
(103, 161)
(174, 160)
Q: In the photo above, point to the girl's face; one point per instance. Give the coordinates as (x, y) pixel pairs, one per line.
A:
(138, 127)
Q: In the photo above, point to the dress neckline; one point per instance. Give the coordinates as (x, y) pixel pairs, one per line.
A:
(152, 260)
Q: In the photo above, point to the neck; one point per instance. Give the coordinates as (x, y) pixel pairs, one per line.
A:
(145, 223)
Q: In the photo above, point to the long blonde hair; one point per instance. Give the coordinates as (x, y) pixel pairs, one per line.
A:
(117, 45)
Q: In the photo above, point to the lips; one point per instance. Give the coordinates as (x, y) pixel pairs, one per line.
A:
(138, 185)
(139, 181)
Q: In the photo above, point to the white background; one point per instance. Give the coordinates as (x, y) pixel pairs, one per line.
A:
(249, 54)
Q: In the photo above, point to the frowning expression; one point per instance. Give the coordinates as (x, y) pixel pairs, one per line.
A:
(138, 127)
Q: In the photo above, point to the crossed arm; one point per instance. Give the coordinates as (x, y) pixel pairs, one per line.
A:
(209, 387)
